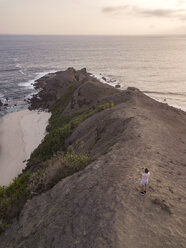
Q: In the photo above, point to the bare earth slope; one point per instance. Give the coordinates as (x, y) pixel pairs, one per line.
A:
(101, 206)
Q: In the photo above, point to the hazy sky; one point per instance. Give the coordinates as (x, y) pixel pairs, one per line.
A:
(119, 17)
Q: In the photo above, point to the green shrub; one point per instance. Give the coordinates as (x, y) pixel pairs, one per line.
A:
(106, 106)
(57, 120)
(58, 167)
(60, 128)
(12, 199)
(55, 140)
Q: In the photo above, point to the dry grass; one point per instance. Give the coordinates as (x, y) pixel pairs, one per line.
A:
(60, 166)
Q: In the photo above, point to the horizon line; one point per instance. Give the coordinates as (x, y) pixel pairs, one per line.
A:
(1, 34)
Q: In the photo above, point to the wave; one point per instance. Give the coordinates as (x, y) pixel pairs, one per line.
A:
(178, 107)
(109, 80)
(21, 71)
(30, 83)
(165, 93)
(3, 99)
(13, 70)
(1, 95)
(171, 104)
(9, 70)
(105, 79)
(18, 65)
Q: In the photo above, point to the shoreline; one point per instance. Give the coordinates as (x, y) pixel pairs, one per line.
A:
(20, 133)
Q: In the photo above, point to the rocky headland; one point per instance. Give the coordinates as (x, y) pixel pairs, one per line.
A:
(81, 186)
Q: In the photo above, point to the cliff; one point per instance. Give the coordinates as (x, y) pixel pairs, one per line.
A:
(88, 192)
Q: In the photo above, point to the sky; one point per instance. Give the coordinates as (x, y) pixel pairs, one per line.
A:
(93, 17)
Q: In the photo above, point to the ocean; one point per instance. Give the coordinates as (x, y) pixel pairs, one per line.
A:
(154, 64)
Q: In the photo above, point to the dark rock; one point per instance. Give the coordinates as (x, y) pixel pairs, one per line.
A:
(132, 89)
(89, 91)
(117, 86)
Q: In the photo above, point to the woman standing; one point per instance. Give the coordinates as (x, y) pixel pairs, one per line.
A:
(144, 181)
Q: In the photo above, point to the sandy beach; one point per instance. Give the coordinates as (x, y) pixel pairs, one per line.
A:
(20, 133)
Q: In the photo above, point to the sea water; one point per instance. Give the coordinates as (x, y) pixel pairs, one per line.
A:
(154, 64)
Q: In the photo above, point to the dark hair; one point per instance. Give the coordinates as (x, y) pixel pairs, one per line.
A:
(146, 170)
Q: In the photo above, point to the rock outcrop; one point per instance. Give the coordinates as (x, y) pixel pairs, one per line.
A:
(89, 92)
(101, 206)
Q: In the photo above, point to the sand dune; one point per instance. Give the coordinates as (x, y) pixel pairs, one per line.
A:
(20, 133)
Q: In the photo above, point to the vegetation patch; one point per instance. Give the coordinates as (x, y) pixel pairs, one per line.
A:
(57, 119)
(54, 141)
(60, 128)
(57, 168)
(12, 199)
(105, 106)
(14, 196)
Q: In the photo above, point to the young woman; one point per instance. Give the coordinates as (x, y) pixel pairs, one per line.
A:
(144, 180)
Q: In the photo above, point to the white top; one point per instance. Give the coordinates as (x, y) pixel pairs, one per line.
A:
(145, 176)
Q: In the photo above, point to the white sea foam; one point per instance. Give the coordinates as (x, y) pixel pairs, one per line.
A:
(178, 107)
(113, 82)
(165, 101)
(29, 96)
(30, 83)
(1, 95)
(105, 79)
(3, 99)
(21, 71)
(18, 65)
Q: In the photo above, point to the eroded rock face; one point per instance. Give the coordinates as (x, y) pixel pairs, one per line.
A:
(53, 87)
(101, 206)
(89, 91)
(1, 104)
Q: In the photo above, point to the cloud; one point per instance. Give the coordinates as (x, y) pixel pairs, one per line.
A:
(157, 12)
(166, 13)
(111, 9)
(163, 13)
(135, 10)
